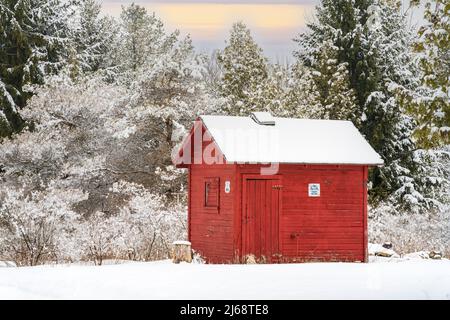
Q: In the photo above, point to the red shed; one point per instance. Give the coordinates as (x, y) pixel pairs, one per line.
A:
(277, 189)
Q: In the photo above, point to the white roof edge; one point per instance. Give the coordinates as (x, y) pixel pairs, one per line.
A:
(280, 118)
(378, 164)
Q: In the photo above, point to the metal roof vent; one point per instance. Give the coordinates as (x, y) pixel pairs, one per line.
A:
(263, 118)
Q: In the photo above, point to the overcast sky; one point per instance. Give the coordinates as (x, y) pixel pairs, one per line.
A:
(273, 23)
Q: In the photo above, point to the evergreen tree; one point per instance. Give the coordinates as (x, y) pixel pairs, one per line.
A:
(141, 38)
(342, 23)
(430, 103)
(33, 36)
(389, 130)
(301, 98)
(335, 97)
(268, 95)
(373, 40)
(135, 22)
(244, 72)
(94, 37)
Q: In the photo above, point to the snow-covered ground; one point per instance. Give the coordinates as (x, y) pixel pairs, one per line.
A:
(406, 279)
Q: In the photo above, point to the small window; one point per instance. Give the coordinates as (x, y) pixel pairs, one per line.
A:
(212, 192)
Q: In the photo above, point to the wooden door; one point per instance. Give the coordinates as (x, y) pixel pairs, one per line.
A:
(260, 225)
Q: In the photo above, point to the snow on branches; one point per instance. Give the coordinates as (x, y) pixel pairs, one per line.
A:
(93, 106)
(33, 222)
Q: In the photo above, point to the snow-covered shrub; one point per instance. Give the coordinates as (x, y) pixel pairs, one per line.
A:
(411, 232)
(143, 228)
(423, 222)
(98, 237)
(149, 224)
(197, 258)
(32, 223)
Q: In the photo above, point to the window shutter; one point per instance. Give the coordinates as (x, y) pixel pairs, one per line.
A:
(212, 192)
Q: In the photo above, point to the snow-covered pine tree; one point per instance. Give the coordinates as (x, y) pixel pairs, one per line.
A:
(269, 95)
(34, 35)
(374, 40)
(244, 71)
(388, 38)
(141, 37)
(135, 22)
(331, 78)
(412, 176)
(12, 48)
(429, 104)
(342, 23)
(301, 97)
(94, 37)
(10, 120)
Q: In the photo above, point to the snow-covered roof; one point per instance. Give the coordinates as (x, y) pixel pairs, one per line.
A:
(242, 139)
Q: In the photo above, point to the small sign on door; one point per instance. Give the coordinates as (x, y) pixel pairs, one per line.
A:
(314, 189)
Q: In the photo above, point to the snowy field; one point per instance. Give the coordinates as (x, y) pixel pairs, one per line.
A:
(381, 279)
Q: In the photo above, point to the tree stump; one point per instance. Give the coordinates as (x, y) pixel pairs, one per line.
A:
(181, 252)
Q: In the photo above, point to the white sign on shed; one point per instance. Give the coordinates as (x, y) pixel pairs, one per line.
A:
(314, 189)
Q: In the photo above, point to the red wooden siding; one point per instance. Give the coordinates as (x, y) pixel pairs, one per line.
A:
(366, 235)
(326, 228)
(211, 228)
